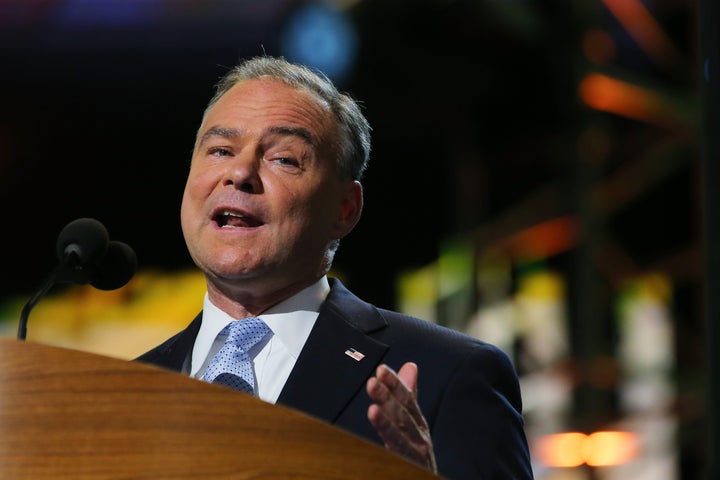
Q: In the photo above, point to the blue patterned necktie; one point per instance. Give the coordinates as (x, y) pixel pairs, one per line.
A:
(232, 366)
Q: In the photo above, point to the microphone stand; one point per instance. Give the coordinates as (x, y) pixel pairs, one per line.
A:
(50, 280)
(69, 270)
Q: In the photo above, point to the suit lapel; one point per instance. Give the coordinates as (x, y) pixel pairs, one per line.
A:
(325, 378)
(173, 352)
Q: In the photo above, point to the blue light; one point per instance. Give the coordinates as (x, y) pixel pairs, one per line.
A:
(322, 38)
(106, 13)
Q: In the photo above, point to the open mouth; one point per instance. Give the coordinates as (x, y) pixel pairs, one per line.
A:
(235, 219)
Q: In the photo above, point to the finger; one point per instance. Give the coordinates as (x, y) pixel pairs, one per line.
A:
(378, 391)
(400, 419)
(393, 411)
(392, 382)
(419, 450)
(408, 374)
(391, 405)
(393, 437)
(402, 387)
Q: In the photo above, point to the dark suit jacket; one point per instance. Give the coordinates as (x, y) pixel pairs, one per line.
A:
(467, 389)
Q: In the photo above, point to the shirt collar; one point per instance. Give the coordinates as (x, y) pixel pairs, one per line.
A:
(290, 320)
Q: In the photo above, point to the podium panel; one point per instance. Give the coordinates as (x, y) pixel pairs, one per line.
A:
(66, 414)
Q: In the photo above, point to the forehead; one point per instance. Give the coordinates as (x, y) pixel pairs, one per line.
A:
(256, 102)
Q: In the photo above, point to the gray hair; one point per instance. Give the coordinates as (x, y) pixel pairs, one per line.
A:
(354, 141)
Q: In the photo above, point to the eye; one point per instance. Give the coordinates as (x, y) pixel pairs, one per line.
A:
(287, 161)
(219, 152)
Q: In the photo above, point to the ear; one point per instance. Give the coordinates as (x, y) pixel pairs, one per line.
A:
(350, 208)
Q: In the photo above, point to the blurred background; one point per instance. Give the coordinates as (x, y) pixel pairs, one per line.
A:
(537, 180)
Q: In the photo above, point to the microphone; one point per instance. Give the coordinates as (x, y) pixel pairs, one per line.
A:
(85, 255)
(80, 247)
(116, 268)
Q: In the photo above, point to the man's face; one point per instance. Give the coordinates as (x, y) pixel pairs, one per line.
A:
(263, 197)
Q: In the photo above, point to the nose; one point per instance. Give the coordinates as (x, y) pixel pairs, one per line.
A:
(243, 173)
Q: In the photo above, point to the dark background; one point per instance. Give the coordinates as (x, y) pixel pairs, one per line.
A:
(473, 106)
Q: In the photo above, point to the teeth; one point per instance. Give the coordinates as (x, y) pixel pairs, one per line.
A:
(229, 213)
(225, 219)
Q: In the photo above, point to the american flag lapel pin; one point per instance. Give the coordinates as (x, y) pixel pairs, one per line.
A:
(354, 354)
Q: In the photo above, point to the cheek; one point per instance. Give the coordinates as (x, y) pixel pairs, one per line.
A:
(317, 214)
(194, 195)
(188, 199)
(298, 212)
(185, 211)
(188, 222)
(198, 187)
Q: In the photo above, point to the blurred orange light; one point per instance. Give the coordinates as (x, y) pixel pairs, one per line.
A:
(615, 96)
(643, 27)
(544, 239)
(562, 449)
(572, 449)
(611, 448)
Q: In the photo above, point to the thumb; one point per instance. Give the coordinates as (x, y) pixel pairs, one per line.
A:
(408, 374)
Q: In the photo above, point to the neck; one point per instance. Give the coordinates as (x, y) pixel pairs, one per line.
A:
(242, 301)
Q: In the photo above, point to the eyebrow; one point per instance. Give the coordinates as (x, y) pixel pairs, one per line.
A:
(228, 133)
(232, 133)
(302, 133)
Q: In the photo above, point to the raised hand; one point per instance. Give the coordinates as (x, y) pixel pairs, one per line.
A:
(396, 415)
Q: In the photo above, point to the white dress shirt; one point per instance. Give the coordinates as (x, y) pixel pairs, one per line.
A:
(290, 322)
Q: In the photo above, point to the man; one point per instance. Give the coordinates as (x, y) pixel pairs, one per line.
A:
(274, 185)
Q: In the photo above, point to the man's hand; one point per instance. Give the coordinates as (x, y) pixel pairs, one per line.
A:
(396, 415)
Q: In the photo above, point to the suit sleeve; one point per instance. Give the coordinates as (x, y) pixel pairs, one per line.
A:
(478, 432)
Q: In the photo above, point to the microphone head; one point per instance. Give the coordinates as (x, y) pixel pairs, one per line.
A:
(116, 268)
(80, 246)
(85, 237)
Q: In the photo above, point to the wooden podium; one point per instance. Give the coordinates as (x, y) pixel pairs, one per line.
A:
(66, 414)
